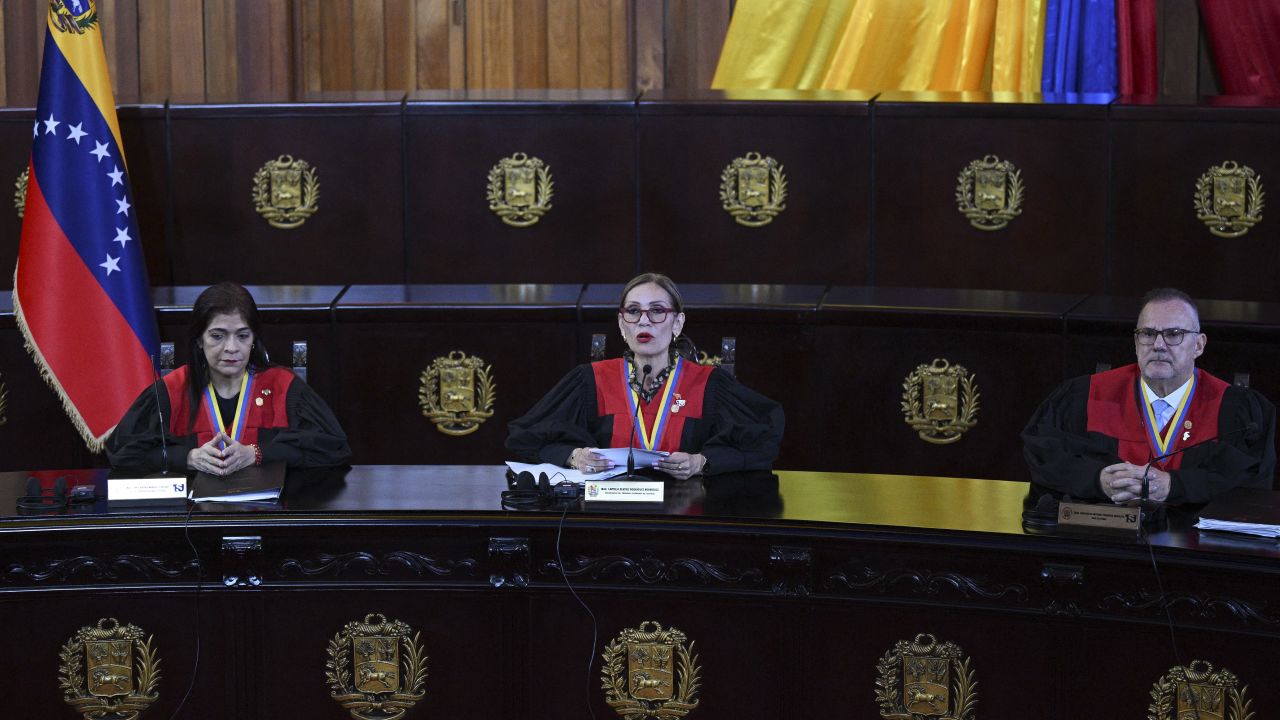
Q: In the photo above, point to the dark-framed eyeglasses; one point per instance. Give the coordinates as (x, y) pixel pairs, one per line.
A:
(657, 314)
(1172, 336)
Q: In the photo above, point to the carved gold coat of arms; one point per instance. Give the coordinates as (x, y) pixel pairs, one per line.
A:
(922, 678)
(285, 192)
(457, 393)
(109, 670)
(940, 401)
(376, 671)
(650, 673)
(753, 189)
(1229, 199)
(989, 193)
(20, 192)
(520, 189)
(1199, 691)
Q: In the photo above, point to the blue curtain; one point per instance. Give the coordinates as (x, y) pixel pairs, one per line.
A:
(1079, 47)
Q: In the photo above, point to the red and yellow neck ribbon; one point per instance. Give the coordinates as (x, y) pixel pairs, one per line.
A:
(237, 423)
(1161, 444)
(649, 439)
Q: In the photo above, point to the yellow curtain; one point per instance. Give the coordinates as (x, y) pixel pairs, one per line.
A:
(884, 45)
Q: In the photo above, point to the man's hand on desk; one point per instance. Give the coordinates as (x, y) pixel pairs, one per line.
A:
(1122, 482)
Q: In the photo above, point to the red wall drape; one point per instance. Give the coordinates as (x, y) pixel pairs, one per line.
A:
(1136, 46)
(1243, 38)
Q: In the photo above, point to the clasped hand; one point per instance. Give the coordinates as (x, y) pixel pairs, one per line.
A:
(221, 456)
(1122, 482)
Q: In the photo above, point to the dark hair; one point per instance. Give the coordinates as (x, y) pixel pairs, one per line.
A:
(225, 298)
(1167, 293)
(683, 344)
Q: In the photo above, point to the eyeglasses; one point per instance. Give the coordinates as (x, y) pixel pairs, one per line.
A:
(657, 314)
(1172, 336)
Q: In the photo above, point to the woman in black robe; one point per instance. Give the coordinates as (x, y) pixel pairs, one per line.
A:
(230, 407)
(656, 397)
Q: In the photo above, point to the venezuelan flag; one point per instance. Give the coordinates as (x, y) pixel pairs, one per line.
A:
(80, 294)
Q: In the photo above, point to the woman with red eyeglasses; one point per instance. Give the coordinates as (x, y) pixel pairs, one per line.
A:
(656, 397)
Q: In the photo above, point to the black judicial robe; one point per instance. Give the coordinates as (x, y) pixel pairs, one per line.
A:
(735, 427)
(292, 425)
(1065, 456)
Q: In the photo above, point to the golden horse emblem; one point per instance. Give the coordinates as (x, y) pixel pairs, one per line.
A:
(109, 670)
(940, 401)
(753, 190)
(286, 192)
(376, 671)
(520, 189)
(457, 393)
(650, 672)
(1199, 691)
(922, 678)
(989, 192)
(1229, 199)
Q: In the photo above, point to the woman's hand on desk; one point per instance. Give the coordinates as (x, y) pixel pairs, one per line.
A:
(588, 460)
(221, 456)
(681, 465)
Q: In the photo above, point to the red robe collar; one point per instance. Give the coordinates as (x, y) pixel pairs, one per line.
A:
(1117, 409)
(611, 399)
(270, 388)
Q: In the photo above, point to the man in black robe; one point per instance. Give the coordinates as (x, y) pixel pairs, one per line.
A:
(1122, 433)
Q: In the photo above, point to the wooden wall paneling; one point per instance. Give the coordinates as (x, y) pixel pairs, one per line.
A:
(595, 55)
(354, 236)
(440, 41)
(588, 146)
(265, 48)
(822, 142)
(120, 39)
(24, 31)
(563, 44)
(531, 48)
(1159, 152)
(399, 46)
(925, 141)
(337, 55)
(368, 41)
(186, 52)
(496, 33)
(649, 53)
(221, 40)
(4, 65)
(308, 58)
(695, 31)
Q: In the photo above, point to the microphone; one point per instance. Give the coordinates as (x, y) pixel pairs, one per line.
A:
(164, 442)
(631, 441)
(1247, 429)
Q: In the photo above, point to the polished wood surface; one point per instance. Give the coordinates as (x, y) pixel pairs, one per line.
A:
(809, 577)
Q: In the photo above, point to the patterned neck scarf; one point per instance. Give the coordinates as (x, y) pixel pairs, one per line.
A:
(655, 383)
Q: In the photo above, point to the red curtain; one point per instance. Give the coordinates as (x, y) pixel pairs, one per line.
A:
(1244, 38)
(1136, 45)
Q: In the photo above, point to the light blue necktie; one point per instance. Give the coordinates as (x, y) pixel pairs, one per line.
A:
(1163, 411)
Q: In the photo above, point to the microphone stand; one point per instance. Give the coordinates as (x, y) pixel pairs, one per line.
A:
(164, 441)
(631, 441)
